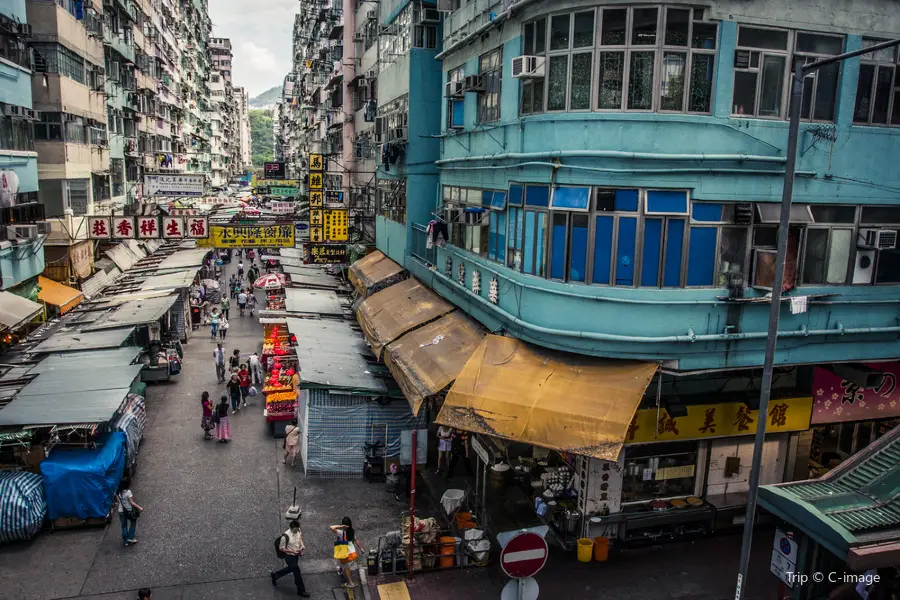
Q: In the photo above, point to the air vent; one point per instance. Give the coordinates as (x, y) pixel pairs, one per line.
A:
(743, 213)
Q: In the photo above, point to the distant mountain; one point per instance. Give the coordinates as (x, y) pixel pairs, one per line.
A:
(267, 98)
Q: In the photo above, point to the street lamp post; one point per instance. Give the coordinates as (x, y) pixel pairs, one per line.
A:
(798, 73)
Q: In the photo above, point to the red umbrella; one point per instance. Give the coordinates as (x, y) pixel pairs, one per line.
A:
(270, 281)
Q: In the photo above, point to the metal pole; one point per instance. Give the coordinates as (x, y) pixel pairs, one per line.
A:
(774, 314)
(797, 75)
(412, 503)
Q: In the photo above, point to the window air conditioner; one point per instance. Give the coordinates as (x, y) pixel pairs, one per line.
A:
(528, 67)
(44, 227)
(474, 83)
(11, 110)
(877, 239)
(431, 15)
(445, 5)
(24, 29)
(455, 89)
(21, 232)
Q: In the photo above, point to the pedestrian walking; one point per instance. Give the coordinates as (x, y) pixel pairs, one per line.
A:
(214, 323)
(291, 546)
(242, 301)
(207, 422)
(129, 510)
(257, 374)
(244, 379)
(145, 594)
(219, 360)
(252, 274)
(223, 327)
(223, 428)
(240, 273)
(444, 434)
(459, 450)
(251, 300)
(234, 361)
(346, 535)
(291, 442)
(225, 304)
(234, 392)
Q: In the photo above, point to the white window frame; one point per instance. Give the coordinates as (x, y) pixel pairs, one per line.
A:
(873, 60)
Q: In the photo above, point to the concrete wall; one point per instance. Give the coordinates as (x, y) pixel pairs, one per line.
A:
(15, 84)
(21, 262)
(52, 23)
(57, 93)
(25, 166)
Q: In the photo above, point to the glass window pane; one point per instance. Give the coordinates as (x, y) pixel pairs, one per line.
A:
(612, 75)
(492, 235)
(752, 37)
(703, 35)
(559, 32)
(501, 236)
(557, 79)
(584, 30)
(540, 36)
(732, 252)
(540, 250)
(826, 93)
(671, 83)
(863, 93)
(819, 44)
(625, 250)
(771, 86)
(888, 267)
(558, 250)
(677, 21)
(537, 91)
(744, 99)
(603, 234)
(883, 55)
(895, 111)
(701, 256)
(700, 92)
(833, 214)
(806, 98)
(528, 258)
(814, 260)
(839, 255)
(526, 97)
(529, 38)
(674, 248)
(580, 96)
(652, 247)
(640, 83)
(643, 26)
(614, 26)
(578, 248)
(883, 84)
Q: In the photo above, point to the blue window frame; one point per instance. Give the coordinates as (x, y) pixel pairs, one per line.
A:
(516, 231)
(625, 246)
(497, 236)
(603, 239)
(650, 256)
(667, 202)
(537, 195)
(514, 196)
(570, 198)
(578, 247)
(702, 255)
(674, 249)
(706, 212)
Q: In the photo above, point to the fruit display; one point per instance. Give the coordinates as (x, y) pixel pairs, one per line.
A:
(280, 403)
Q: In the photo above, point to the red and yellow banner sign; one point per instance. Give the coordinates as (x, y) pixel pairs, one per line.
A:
(717, 420)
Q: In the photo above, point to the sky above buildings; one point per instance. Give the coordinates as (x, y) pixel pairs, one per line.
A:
(260, 35)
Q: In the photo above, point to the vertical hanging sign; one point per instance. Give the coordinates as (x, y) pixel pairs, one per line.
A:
(316, 196)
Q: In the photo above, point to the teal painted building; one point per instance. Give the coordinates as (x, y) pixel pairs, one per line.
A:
(617, 194)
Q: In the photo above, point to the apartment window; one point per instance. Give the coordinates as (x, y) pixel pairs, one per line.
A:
(877, 88)
(763, 61)
(535, 35)
(77, 195)
(569, 61)
(49, 127)
(490, 67)
(456, 106)
(391, 199)
(16, 134)
(55, 58)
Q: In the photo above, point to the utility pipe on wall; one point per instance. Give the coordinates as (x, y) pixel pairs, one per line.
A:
(613, 154)
(349, 70)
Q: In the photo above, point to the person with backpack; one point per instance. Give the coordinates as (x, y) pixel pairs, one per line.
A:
(129, 511)
(289, 547)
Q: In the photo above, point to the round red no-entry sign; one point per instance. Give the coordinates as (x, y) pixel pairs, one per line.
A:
(524, 555)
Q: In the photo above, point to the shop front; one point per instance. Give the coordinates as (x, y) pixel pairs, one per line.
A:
(846, 417)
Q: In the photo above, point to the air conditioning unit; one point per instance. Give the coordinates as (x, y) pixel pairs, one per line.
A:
(44, 227)
(31, 115)
(864, 269)
(474, 83)
(21, 232)
(528, 67)
(431, 15)
(371, 74)
(877, 239)
(359, 37)
(455, 89)
(24, 29)
(445, 5)
(398, 133)
(11, 110)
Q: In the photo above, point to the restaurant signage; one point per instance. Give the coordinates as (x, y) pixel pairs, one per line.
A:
(252, 236)
(839, 400)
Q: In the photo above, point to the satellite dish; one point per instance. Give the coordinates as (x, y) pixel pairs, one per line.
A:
(9, 188)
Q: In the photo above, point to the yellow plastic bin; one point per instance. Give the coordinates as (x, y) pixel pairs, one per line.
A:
(601, 548)
(585, 549)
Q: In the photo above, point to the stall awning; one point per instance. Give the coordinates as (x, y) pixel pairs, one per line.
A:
(568, 402)
(425, 361)
(388, 314)
(16, 311)
(135, 312)
(853, 510)
(59, 295)
(371, 270)
(68, 341)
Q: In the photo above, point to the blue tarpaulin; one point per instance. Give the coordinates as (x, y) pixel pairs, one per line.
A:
(22, 506)
(81, 482)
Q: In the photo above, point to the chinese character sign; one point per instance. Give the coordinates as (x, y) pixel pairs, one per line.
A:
(173, 227)
(839, 400)
(316, 162)
(316, 217)
(252, 236)
(316, 235)
(174, 185)
(315, 181)
(197, 227)
(99, 228)
(326, 254)
(336, 225)
(123, 227)
(147, 227)
(316, 199)
(717, 420)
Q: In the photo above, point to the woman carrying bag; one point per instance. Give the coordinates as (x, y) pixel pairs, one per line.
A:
(345, 547)
(129, 511)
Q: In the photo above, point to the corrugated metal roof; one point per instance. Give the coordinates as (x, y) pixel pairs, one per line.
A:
(67, 341)
(93, 286)
(95, 358)
(135, 312)
(178, 279)
(96, 406)
(121, 255)
(332, 355)
(68, 378)
(16, 311)
(320, 302)
(182, 259)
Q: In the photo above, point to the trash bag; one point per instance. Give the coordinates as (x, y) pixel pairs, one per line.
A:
(252, 391)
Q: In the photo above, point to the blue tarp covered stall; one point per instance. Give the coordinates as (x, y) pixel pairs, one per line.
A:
(22, 506)
(81, 482)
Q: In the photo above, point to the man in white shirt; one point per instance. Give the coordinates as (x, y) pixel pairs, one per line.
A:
(256, 369)
(291, 545)
(242, 301)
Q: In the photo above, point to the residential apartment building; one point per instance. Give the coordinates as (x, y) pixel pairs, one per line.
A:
(242, 158)
(224, 115)
(610, 178)
(21, 240)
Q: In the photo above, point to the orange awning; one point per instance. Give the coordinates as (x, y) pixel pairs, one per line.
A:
(370, 270)
(567, 402)
(59, 295)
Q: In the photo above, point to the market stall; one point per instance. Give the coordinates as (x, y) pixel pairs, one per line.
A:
(279, 389)
(22, 505)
